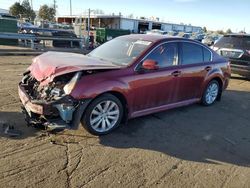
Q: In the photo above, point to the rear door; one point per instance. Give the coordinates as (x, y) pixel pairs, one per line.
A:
(195, 64)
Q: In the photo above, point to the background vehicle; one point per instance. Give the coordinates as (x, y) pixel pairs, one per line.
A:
(185, 35)
(127, 77)
(65, 44)
(26, 25)
(209, 40)
(4, 15)
(173, 33)
(157, 32)
(236, 47)
(28, 28)
(198, 37)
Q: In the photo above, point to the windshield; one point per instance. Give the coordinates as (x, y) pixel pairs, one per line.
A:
(234, 42)
(121, 51)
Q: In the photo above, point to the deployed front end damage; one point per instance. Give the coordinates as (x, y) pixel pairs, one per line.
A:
(50, 105)
(45, 90)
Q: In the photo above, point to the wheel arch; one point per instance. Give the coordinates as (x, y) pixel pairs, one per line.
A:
(122, 99)
(220, 82)
(124, 102)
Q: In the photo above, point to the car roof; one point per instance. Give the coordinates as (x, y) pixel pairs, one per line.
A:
(152, 38)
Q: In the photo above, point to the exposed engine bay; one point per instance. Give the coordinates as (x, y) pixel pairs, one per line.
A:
(58, 107)
(51, 92)
(43, 93)
(47, 87)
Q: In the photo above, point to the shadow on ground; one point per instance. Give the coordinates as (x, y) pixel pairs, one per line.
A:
(238, 77)
(216, 134)
(15, 120)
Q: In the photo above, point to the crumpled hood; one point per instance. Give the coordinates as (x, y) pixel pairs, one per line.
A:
(52, 64)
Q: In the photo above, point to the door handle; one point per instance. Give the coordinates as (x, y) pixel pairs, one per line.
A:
(208, 68)
(176, 73)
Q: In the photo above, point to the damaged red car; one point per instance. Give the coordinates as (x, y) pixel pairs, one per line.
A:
(127, 77)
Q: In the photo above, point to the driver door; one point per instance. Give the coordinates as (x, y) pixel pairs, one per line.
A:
(155, 88)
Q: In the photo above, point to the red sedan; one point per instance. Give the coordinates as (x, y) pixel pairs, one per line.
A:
(127, 77)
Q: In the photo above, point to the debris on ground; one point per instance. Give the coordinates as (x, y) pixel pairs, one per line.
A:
(10, 130)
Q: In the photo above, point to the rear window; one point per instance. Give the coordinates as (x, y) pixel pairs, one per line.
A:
(234, 42)
(191, 53)
(206, 55)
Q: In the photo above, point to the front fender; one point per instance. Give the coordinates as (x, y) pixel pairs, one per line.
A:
(90, 90)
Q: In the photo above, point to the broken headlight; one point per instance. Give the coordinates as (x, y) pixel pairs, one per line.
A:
(71, 84)
(56, 92)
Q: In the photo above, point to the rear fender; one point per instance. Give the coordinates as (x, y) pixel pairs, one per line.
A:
(215, 74)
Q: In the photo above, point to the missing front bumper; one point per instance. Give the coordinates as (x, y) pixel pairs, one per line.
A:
(63, 114)
(57, 123)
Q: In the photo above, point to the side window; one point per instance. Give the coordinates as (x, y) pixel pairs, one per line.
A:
(191, 53)
(207, 55)
(165, 55)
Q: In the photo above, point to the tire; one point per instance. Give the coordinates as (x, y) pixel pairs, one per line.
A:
(103, 115)
(211, 93)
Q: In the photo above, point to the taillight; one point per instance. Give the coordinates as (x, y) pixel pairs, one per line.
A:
(248, 51)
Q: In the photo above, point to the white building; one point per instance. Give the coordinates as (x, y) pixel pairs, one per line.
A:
(134, 25)
(4, 11)
(138, 25)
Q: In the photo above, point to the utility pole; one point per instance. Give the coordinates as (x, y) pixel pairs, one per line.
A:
(55, 5)
(31, 4)
(70, 7)
(88, 22)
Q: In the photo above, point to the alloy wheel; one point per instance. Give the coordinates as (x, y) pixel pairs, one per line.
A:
(104, 116)
(212, 93)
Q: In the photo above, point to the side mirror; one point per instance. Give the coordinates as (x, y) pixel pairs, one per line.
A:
(150, 64)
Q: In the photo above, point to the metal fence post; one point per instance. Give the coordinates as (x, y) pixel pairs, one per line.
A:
(32, 44)
(81, 44)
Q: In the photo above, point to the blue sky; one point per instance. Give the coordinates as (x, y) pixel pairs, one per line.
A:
(214, 14)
